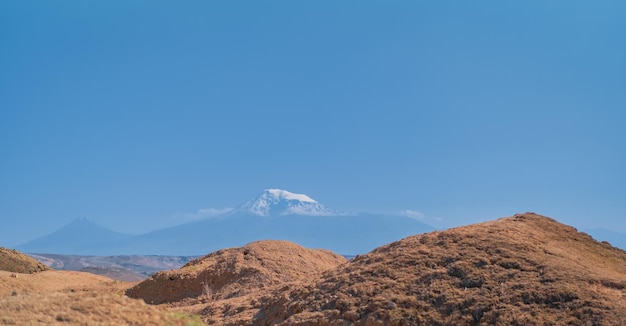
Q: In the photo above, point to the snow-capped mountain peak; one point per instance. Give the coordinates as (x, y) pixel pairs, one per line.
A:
(286, 195)
(282, 202)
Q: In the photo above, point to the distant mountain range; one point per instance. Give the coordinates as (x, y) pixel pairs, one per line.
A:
(274, 214)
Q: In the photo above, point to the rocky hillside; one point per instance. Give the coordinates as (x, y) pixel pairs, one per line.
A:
(522, 270)
(17, 262)
(235, 272)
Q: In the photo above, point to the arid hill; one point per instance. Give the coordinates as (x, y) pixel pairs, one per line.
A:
(522, 270)
(74, 298)
(15, 261)
(235, 272)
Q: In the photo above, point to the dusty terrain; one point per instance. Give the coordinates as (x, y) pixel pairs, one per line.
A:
(522, 270)
(227, 280)
(73, 298)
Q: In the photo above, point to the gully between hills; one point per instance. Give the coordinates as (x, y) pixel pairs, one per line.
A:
(521, 270)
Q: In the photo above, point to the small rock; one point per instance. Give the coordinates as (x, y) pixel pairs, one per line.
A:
(351, 315)
(372, 321)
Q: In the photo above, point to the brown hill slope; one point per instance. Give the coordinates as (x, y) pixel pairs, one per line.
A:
(85, 308)
(15, 261)
(522, 270)
(49, 281)
(235, 272)
(71, 298)
(76, 298)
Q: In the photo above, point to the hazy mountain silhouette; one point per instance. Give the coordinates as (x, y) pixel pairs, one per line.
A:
(80, 237)
(275, 214)
(345, 234)
(280, 215)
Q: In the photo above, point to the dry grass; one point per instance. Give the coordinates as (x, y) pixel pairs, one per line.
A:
(523, 270)
(51, 281)
(76, 298)
(235, 272)
(84, 308)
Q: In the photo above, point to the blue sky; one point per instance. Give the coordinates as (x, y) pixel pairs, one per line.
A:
(137, 114)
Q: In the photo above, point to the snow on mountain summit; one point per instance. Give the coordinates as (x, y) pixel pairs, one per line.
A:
(282, 202)
(283, 194)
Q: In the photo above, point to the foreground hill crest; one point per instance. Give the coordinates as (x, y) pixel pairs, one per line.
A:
(236, 272)
(522, 270)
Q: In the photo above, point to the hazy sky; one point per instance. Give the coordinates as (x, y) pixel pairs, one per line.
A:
(138, 114)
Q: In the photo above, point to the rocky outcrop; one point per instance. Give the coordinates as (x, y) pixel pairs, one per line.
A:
(17, 262)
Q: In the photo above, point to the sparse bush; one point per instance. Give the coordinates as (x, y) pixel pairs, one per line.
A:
(207, 289)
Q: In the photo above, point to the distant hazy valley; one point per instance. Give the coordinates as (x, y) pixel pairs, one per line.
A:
(123, 268)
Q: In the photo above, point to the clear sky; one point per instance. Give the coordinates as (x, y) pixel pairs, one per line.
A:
(138, 114)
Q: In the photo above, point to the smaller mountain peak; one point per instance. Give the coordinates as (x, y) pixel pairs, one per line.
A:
(82, 221)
